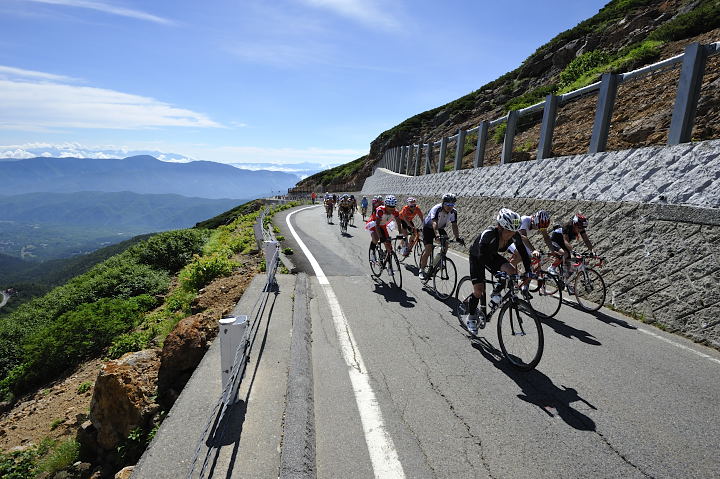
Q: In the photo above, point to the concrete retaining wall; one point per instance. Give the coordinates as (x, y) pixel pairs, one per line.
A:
(654, 213)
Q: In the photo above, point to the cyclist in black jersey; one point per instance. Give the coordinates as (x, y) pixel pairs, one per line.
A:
(485, 254)
(563, 236)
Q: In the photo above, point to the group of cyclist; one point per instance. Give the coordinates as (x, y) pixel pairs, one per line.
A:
(510, 233)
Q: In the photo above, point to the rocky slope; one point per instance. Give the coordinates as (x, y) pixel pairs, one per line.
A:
(625, 34)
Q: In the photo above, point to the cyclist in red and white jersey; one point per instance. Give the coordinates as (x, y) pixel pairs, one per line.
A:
(382, 222)
(407, 214)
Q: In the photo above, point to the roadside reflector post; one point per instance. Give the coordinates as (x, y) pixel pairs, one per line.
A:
(232, 335)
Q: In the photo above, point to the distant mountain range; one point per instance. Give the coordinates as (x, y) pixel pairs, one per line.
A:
(139, 174)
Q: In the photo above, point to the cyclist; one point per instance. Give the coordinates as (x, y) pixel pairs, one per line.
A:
(329, 205)
(485, 254)
(363, 206)
(344, 206)
(384, 218)
(376, 201)
(407, 214)
(434, 224)
(563, 236)
(538, 221)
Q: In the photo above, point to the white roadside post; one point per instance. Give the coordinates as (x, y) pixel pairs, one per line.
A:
(232, 334)
(271, 249)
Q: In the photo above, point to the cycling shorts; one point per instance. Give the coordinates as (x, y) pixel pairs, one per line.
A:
(478, 266)
(408, 226)
(429, 234)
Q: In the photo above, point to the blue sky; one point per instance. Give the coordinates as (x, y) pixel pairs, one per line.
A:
(293, 84)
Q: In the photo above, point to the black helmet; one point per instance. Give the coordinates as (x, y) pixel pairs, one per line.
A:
(449, 198)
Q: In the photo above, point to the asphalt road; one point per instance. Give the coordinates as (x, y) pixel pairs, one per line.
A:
(401, 390)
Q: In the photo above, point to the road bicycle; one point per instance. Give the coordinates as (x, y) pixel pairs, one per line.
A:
(399, 249)
(351, 217)
(519, 330)
(343, 214)
(546, 289)
(363, 210)
(329, 213)
(442, 270)
(588, 284)
(384, 261)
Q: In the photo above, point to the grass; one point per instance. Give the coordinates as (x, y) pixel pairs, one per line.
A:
(84, 387)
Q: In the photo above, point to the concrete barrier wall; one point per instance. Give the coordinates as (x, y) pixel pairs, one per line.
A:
(654, 213)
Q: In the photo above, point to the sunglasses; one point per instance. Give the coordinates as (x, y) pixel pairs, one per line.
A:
(450, 204)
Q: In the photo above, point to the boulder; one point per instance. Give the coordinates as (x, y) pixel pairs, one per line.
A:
(125, 472)
(182, 351)
(123, 398)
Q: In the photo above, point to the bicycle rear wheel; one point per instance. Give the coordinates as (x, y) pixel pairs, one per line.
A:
(398, 249)
(445, 278)
(375, 265)
(417, 252)
(547, 294)
(590, 290)
(520, 335)
(393, 268)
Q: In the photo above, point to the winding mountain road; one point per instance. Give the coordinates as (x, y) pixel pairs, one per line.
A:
(400, 389)
(5, 298)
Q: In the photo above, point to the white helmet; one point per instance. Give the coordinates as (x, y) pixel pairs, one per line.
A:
(390, 200)
(508, 219)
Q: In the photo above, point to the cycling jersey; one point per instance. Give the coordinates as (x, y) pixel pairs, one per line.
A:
(485, 253)
(526, 223)
(557, 238)
(439, 215)
(382, 217)
(407, 214)
(364, 203)
(345, 203)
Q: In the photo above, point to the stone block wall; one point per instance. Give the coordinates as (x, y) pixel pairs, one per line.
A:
(663, 265)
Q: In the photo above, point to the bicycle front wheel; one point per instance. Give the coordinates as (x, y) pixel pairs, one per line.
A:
(547, 294)
(398, 249)
(393, 267)
(463, 292)
(445, 278)
(590, 290)
(520, 335)
(374, 260)
(417, 252)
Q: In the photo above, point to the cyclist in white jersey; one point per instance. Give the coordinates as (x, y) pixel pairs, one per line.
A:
(434, 224)
(538, 221)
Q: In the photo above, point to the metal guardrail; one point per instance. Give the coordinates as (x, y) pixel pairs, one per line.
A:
(237, 335)
(401, 158)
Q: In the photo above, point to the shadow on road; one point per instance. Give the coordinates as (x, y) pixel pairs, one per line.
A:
(539, 389)
(564, 329)
(393, 294)
(605, 318)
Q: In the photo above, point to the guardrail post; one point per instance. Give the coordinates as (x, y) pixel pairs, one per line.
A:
(481, 142)
(459, 148)
(603, 113)
(428, 157)
(271, 250)
(401, 157)
(406, 169)
(688, 94)
(548, 126)
(443, 148)
(417, 159)
(512, 119)
(232, 334)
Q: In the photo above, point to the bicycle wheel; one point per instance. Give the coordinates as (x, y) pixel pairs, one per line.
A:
(393, 268)
(590, 290)
(463, 292)
(375, 266)
(445, 279)
(520, 334)
(547, 294)
(417, 252)
(398, 249)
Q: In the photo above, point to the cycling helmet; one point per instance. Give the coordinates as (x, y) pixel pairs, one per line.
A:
(390, 200)
(449, 198)
(541, 219)
(411, 201)
(508, 219)
(580, 220)
(352, 197)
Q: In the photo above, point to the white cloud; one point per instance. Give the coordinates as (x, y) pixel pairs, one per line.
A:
(367, 12)
(43, 105)
(78, 150)
(109, 9)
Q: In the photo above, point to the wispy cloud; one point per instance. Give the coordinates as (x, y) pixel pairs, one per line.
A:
(79, 150)
(368, 12)
(284, 156)
(109, 9)
(47, 104)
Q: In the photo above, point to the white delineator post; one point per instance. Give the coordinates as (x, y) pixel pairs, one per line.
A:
(232, 334)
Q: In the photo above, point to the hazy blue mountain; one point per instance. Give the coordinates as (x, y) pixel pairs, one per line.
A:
(139, 174)
(43, 226)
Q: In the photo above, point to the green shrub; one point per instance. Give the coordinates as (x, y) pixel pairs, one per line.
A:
(56, 423)
(180, 300)
(60, 457)
(84, 387)
(171, 250)
(498, 134)
(129, 342)
(280, 237)
(203, 269)
(23, 464)
(701, 19)
(583, 65)
(287, 251)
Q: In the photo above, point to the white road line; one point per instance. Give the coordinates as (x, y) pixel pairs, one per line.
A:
(383, 455)
(678, 345)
